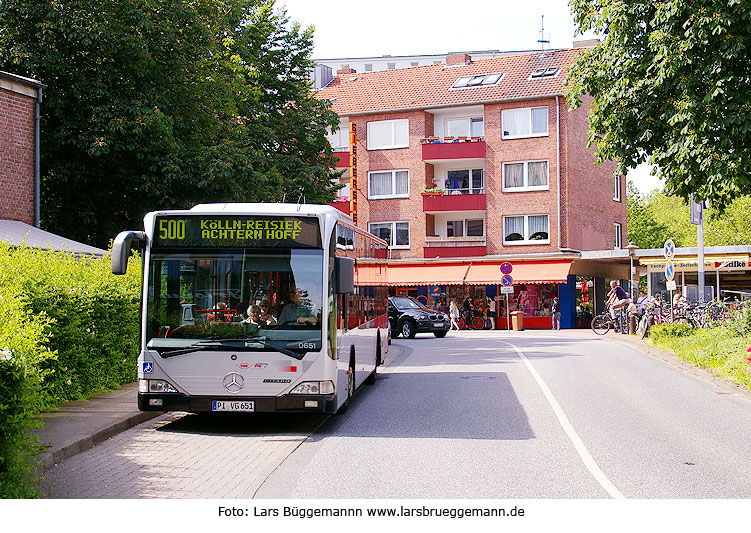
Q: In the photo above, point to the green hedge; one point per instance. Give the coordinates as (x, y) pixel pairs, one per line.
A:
(68, 329)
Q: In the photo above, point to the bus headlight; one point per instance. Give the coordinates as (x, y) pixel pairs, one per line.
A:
(314, 387)
(155, 385)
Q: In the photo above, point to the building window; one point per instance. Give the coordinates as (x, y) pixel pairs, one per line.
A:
(385, 134)
(413, 63)
(388, 184)
(465, 127)
(617, 240)
(525, 176)
(545, 72)
(526, 229)
(617, 188)
(477, 81)
(391, 66)
(469, 181)
(394, 233)
(339, 140)
(526, 122)
(368, 67)
(465, 228)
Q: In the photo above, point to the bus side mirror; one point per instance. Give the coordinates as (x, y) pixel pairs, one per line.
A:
(121, 249)
(345, 275)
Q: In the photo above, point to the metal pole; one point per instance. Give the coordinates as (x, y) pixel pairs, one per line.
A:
(631, 278)
(700, 245)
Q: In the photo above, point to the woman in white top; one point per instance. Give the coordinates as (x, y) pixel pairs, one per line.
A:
(454, 314)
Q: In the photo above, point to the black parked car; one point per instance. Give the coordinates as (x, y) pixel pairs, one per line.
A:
(407, 317)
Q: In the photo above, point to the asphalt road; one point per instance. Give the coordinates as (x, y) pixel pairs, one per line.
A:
(527, 415)
(473, 415)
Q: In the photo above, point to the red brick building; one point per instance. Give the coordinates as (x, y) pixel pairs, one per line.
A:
(20, 100)
(18, 148)
(472, 163)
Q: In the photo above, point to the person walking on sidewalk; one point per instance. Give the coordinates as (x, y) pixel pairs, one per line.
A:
(454, 314)
(556, 309)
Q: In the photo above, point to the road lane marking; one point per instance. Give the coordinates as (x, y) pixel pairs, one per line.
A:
(581, 449)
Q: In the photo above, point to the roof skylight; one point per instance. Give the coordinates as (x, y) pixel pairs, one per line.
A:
(477, 81)
(545, 72)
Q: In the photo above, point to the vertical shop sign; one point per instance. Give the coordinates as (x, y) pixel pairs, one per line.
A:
(353, 171)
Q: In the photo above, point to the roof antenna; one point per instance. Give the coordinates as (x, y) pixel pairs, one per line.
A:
(284, 197)
(300, 200)
(542, 40)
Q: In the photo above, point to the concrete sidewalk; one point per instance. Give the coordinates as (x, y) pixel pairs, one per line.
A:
(78, 426)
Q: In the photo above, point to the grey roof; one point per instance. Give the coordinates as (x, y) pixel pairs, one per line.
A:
(17, 233)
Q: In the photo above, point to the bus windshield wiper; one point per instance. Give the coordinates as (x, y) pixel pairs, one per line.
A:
(213, 343)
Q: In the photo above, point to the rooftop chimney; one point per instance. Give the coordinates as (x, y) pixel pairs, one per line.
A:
(343, 71)
(458, 59)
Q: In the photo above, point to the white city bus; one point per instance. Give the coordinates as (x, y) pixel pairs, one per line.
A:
(257, 308)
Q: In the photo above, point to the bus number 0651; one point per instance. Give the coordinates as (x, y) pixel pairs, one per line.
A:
(171, 229)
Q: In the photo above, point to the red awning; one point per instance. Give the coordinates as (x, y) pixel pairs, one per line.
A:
(523, 272)
(371, 273)
(485, 273)
(427, 274)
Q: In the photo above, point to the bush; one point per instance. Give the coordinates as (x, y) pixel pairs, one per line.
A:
(670, 331)
(68, 329)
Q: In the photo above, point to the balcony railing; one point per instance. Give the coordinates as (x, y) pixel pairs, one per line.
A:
(454, 247)
(453, 242)
(455, 200)
(442, 148)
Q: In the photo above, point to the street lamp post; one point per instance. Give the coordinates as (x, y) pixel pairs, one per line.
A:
(631, 247)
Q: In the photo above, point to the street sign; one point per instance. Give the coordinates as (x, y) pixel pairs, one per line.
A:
(507, 281)
(669, 271)
(507, 290)
(670, 285)
(669, 249)
(506, 267)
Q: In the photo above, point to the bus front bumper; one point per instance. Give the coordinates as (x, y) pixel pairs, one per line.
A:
(325, 403)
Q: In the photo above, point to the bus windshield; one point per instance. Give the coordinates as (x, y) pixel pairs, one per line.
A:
(214, 297)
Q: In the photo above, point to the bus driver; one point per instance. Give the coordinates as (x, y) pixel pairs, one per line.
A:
(294, 312)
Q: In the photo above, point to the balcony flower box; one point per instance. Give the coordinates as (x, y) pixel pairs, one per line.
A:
(433, 192)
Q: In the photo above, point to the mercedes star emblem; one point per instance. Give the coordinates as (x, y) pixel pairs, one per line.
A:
(233, 382)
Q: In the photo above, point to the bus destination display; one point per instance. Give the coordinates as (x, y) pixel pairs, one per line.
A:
(201, 231)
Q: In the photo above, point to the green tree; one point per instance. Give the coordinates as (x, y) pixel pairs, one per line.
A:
(669, 83)
(155, 104)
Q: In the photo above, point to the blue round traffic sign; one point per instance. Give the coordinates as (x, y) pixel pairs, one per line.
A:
(507, 281)
(669, 249)
(669, 271)
(506, 267)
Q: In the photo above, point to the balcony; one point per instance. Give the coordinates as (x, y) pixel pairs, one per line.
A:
(343, 159)
(454, 247)
(435, 149)
(456, 200)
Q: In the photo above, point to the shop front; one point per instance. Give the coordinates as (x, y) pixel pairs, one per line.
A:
(725, 275)
(476, 286)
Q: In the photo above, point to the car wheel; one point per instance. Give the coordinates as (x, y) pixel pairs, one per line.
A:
(408, 329)
(440, 334)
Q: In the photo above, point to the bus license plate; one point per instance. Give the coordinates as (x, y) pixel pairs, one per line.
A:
(217, 405)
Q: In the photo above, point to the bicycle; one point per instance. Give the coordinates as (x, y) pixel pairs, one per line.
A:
(603, 322)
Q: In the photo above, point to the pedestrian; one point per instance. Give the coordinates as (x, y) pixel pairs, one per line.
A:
(491, 312)
(556, 309)
(454, 313)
